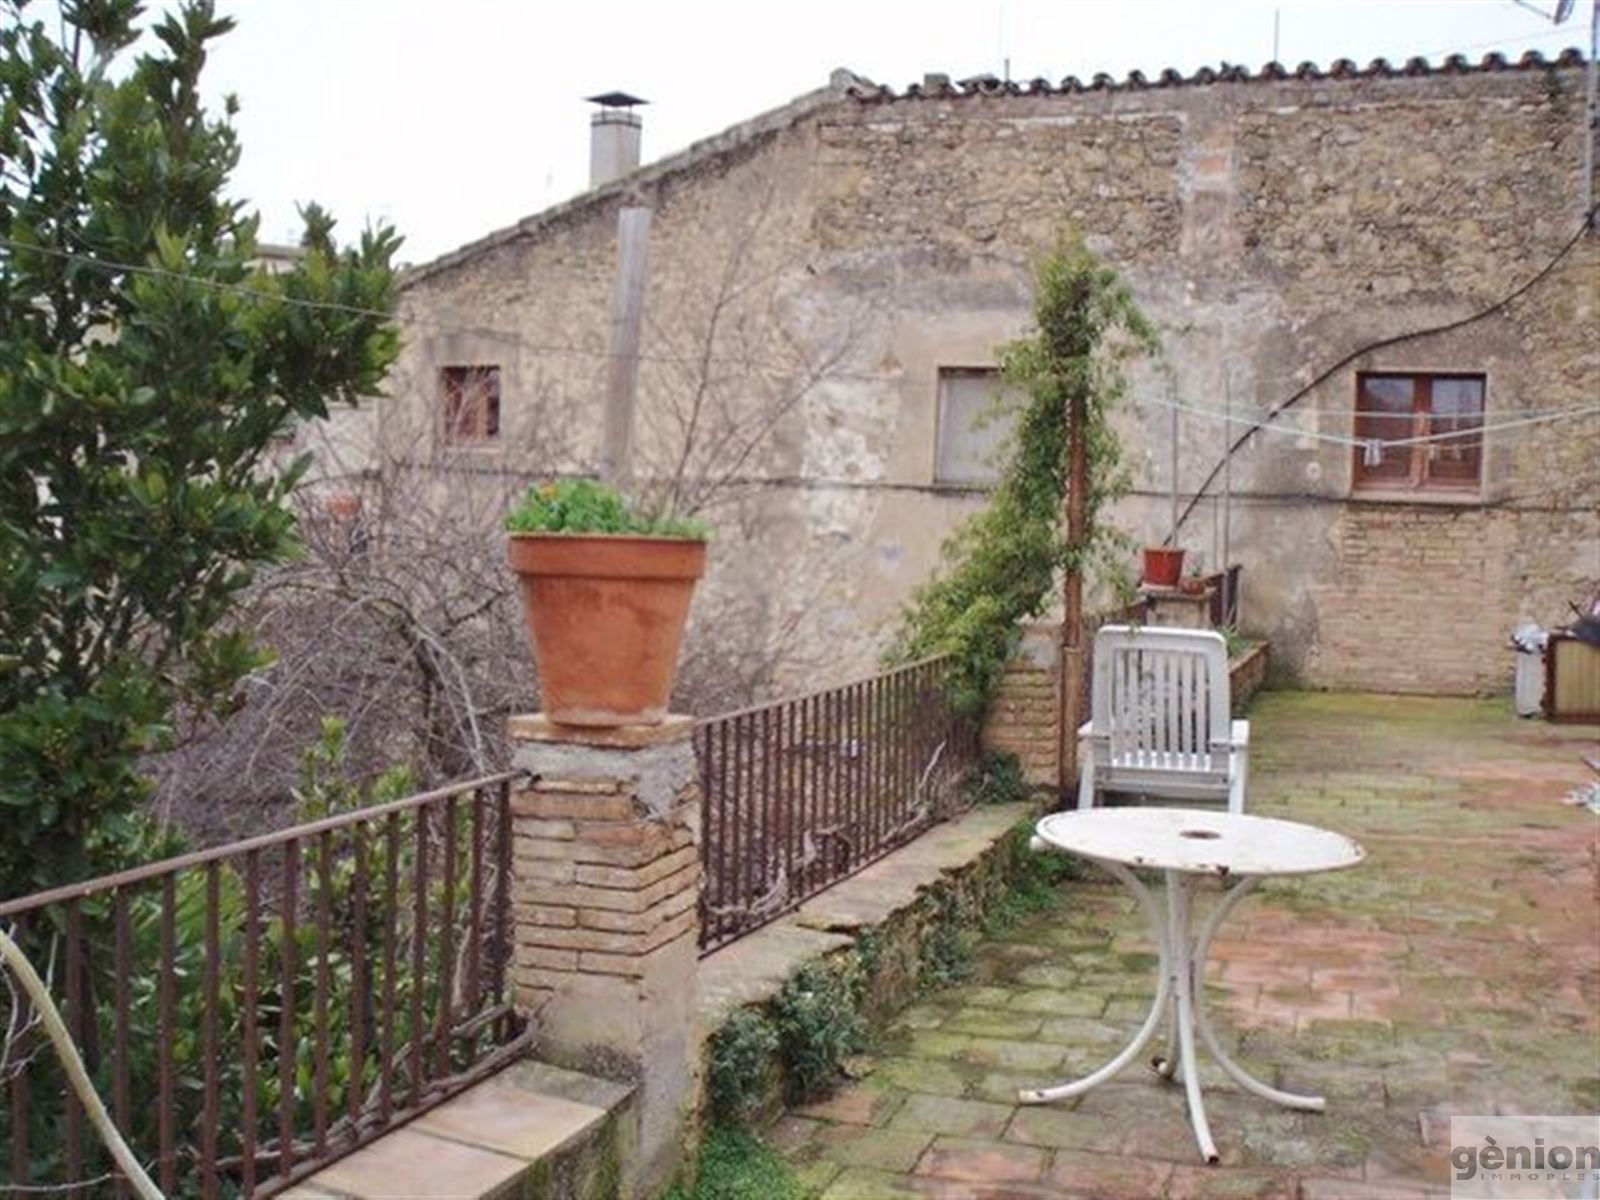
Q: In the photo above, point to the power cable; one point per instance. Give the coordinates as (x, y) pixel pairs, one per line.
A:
(1383, 344)
(1525, 417)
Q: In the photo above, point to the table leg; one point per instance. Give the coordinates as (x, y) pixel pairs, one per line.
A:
(1180, 1000)
(1180, 906)
(1203, 1022)
(1166, 1064)
(1158, 1010)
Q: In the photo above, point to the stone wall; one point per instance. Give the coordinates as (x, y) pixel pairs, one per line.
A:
(810, 275)
(882, 928)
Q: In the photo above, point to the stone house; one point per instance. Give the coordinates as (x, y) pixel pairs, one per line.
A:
(826, 284)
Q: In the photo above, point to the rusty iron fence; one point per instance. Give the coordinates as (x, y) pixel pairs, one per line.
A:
(800, 794)
(253, 1012)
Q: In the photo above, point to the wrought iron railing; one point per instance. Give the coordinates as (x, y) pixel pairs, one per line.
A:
(800, 794)
(253, 1012)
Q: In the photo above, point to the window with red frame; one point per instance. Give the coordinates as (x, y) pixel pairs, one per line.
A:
(1393, 410)
(471, 404)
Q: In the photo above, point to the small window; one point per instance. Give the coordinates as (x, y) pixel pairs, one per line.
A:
(1393, 410)
(471, 405)
(971, 433)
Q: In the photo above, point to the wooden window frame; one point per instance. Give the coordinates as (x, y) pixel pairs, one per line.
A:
(482, 429)
(1418, 483)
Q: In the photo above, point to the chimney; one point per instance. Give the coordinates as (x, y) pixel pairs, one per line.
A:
(613, 137)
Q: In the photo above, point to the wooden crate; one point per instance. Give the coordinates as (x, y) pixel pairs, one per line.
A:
(1571, 679)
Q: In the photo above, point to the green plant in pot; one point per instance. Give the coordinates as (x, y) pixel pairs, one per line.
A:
(606, 592)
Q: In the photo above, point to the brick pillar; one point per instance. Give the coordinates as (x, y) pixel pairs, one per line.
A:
(1023, 718)
(606, 876)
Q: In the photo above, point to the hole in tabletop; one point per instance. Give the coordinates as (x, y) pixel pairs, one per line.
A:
(1200, 835)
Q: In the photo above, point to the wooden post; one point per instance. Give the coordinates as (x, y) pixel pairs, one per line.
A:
(627, 318)
(1072, 596)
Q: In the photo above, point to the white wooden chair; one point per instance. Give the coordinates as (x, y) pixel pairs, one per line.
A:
(1159, 718)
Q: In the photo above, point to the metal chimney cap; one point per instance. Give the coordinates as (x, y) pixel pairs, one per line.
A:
(615, 100)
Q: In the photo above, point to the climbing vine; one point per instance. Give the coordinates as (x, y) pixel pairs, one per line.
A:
(998, 567)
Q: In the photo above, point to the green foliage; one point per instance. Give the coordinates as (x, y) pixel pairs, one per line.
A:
(326, 790)
(583, 506)
(998, 779)
(742, 1056)
(734, 1164)
(1035, 882)
(819, 1023)
(327, 881)
(1237, 643)
(138, 409)
(999, 566)
(869, 952)
(945, 956)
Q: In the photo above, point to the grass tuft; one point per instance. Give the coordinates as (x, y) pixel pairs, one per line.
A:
(737, 1165)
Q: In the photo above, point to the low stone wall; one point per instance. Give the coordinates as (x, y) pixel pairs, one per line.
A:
(884, 916)
(1247, 675)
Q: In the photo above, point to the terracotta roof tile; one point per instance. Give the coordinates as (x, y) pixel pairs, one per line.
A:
(1342, 69)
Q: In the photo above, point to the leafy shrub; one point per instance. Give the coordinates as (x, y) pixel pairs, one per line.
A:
(742, 1054)
(581, 506)
(945, 956)
(819, 1024)
(326, 789)
(1035, 882)
(327, 881)
(138, 490)
(997, 780)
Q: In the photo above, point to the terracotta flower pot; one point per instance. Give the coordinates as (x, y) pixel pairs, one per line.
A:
(606, 616)
(1163, 566)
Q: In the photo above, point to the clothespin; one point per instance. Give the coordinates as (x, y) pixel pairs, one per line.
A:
(1372, 455)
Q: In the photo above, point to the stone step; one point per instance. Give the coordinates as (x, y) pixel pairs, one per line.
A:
(532, 1131)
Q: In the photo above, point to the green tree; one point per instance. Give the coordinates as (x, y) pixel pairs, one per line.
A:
(998, 567)
(147, 365)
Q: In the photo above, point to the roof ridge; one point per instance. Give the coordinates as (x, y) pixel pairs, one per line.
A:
(843, 83)
(937, 86)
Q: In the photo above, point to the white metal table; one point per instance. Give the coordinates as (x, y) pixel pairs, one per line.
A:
(1188, 845)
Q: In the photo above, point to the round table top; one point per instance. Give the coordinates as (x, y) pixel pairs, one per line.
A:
(1199, 841)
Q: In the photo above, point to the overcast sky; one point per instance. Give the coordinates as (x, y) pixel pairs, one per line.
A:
(450, 118)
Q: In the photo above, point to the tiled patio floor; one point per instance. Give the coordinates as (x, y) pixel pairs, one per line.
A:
(1455, 971)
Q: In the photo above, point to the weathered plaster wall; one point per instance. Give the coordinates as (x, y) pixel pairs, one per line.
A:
(821, 268)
